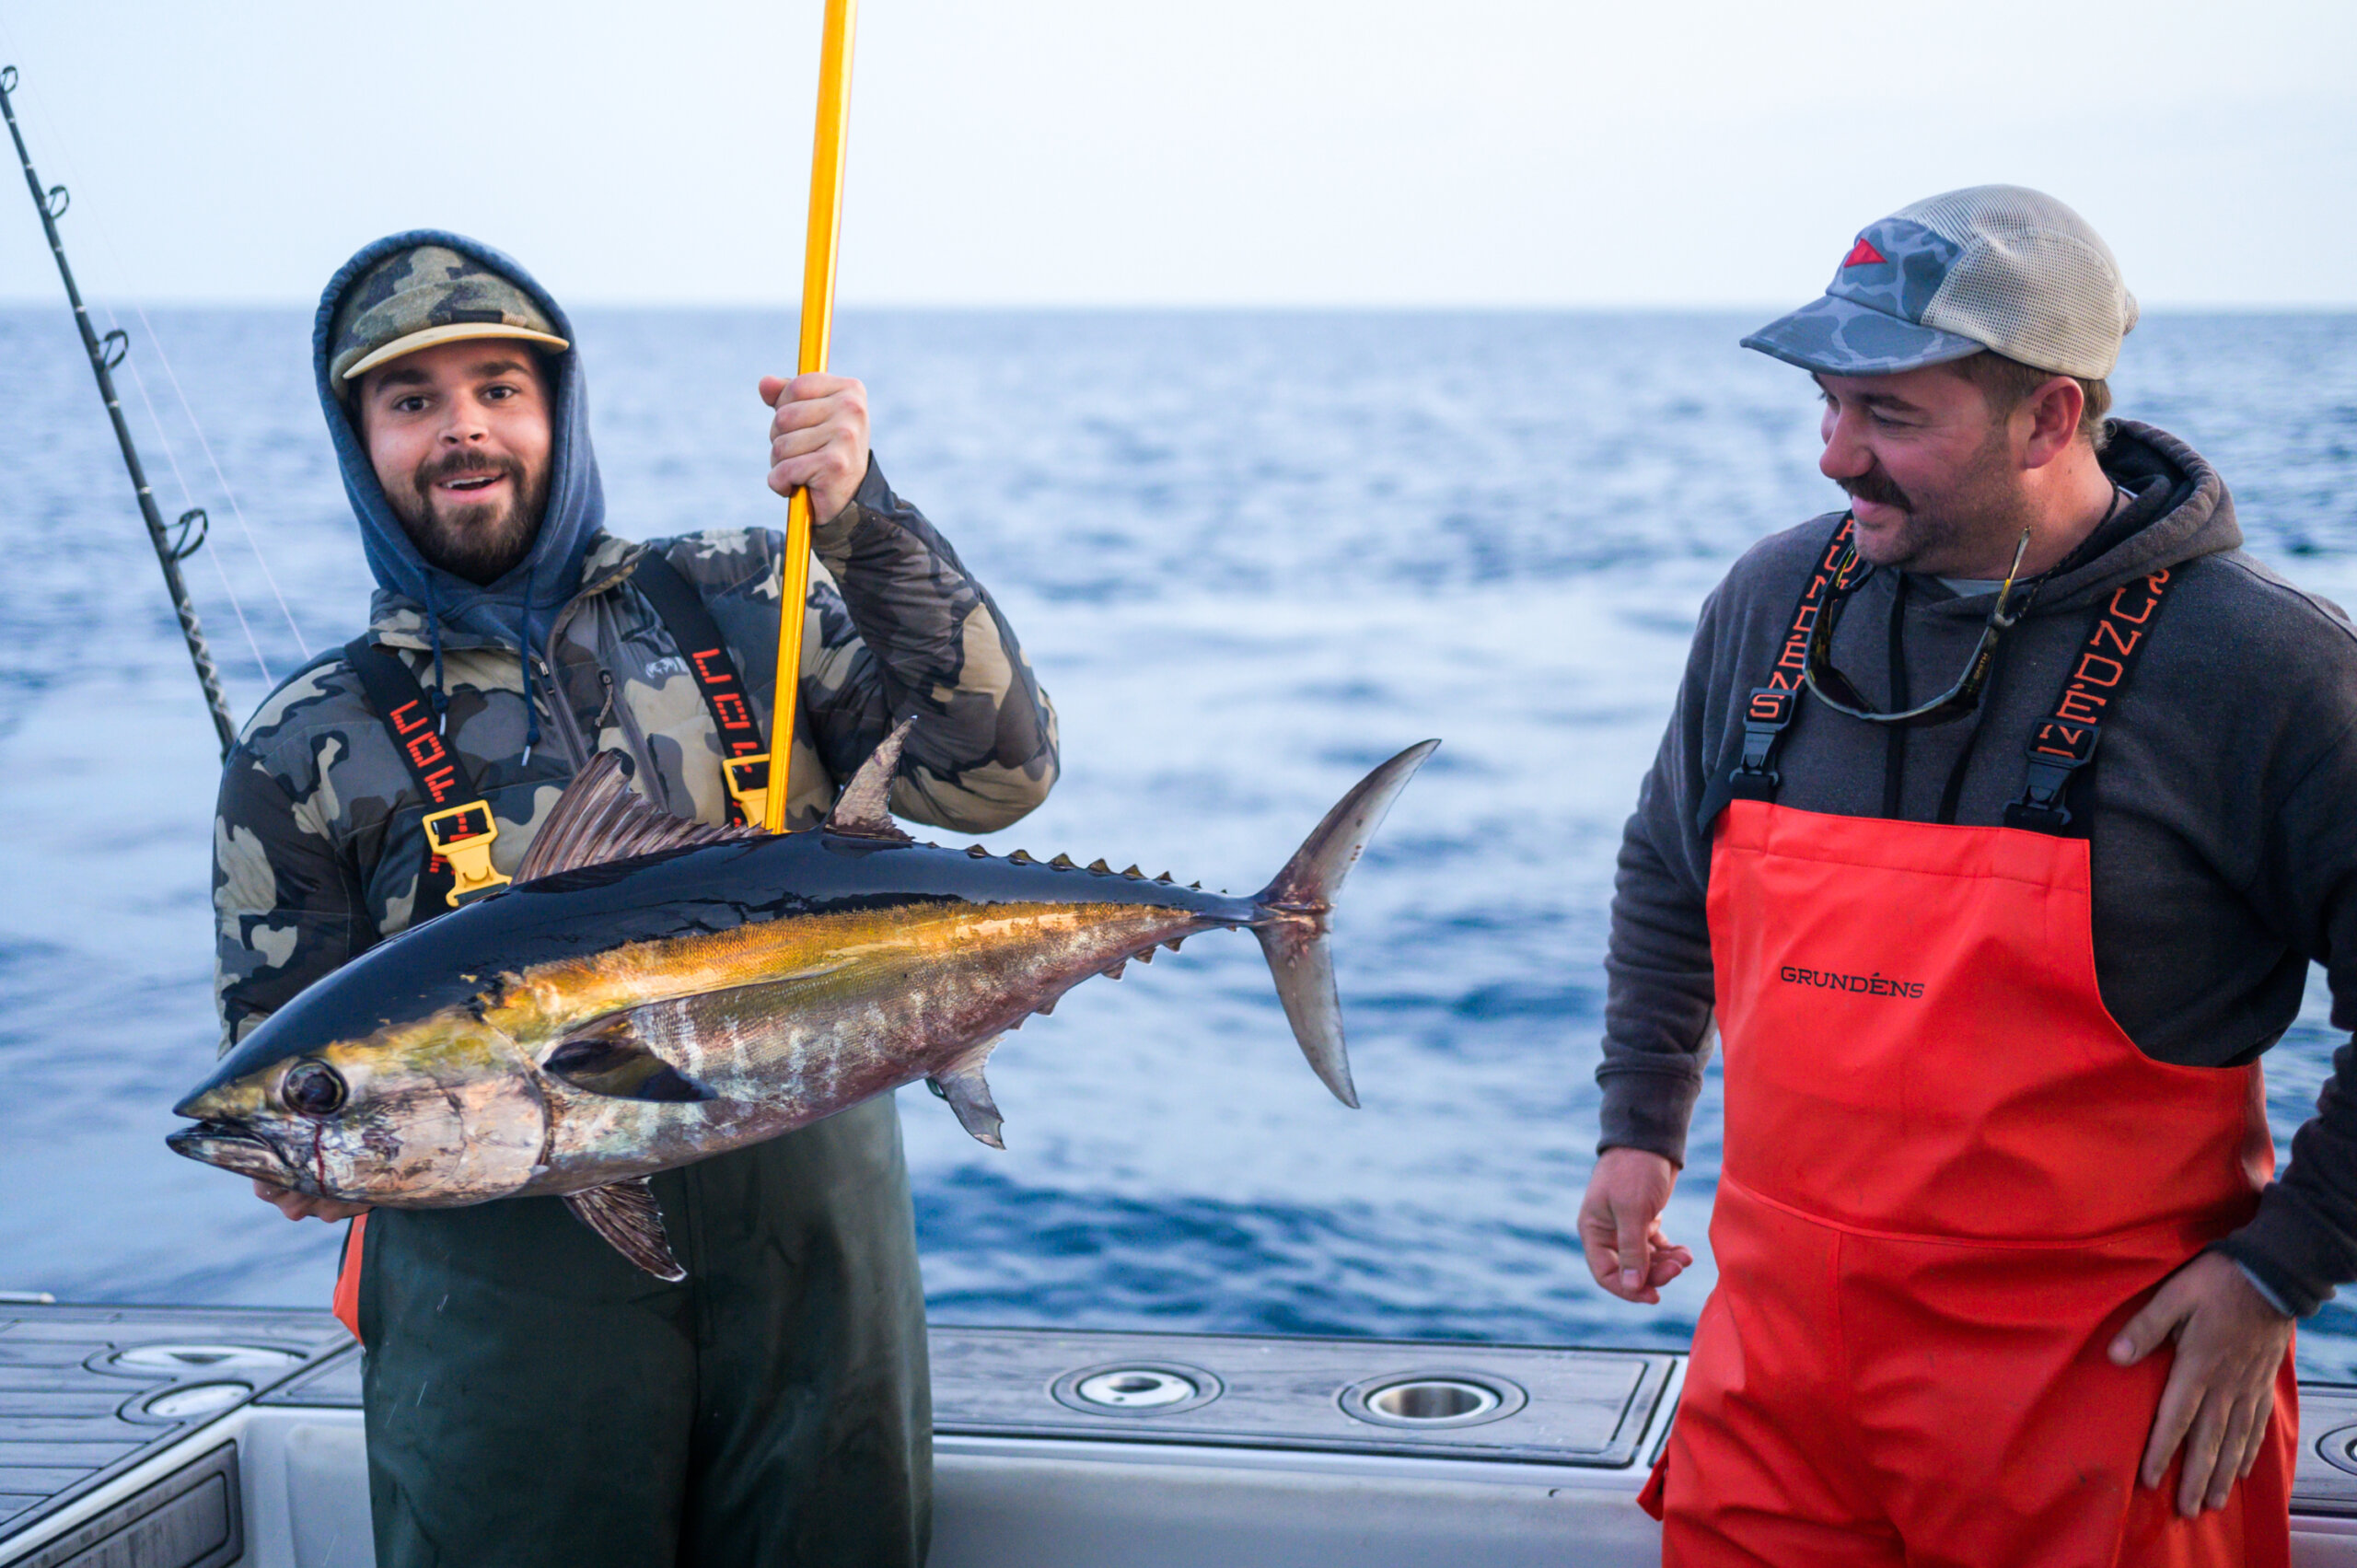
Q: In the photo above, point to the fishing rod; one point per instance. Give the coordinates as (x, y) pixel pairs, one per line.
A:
(182, 539)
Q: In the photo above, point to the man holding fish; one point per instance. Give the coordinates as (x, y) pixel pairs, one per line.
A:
(2002, 1275)
(531, 1395)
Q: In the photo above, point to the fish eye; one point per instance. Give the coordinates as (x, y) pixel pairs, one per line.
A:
(314, 1088)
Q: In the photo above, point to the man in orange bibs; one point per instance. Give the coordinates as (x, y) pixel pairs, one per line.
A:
(1997, 823)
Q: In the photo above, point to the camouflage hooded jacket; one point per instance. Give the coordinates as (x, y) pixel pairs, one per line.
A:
(317, 843)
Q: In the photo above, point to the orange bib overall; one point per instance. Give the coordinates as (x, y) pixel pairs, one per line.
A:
(1949, 1181)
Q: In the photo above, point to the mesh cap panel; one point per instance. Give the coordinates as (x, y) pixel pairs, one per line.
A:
(2033, 281)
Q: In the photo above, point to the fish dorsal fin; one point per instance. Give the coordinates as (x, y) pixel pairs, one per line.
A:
(863, 811)
(624, 1212)
(598, 819)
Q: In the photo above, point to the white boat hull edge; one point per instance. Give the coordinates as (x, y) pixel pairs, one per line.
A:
(1027, 1475)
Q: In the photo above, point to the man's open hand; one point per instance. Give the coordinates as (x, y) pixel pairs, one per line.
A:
(1620, 1224)
(817, 439)
(2221, 1392)
(302, 1205)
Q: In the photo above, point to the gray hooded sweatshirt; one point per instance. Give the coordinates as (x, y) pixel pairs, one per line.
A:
(2222, 810)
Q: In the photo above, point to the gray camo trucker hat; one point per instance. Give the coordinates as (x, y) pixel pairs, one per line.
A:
(423, 295)
(1997, 267)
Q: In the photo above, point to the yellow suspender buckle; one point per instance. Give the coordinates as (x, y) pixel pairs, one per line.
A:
(462, 835)
(748, 783)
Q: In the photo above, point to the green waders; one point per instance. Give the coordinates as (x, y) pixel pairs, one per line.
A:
(532, 1398)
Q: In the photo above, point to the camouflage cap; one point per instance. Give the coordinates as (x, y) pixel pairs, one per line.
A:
(425, 295)
(1996, 267)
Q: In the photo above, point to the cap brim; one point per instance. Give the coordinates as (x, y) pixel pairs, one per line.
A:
(457, 331)
(1841, 337)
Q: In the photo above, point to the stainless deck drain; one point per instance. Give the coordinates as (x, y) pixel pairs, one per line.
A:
(1136, 1389)
(194, 1400)
(182, 1360)
(1429, 1400)
(1140, 1388)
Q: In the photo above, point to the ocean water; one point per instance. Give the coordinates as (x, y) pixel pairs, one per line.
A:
(1250, 555)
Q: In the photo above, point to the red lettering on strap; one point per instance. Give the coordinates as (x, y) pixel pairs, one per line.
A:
(2071, 732)
(2106, 628)
(2058, 739)
(2074, 708)
(2087, 670)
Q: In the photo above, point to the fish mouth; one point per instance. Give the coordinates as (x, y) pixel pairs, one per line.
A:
(231, 1147)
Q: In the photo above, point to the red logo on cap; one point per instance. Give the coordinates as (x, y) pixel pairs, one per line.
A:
(1862, 253)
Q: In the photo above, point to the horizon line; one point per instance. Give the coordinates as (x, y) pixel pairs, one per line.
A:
(1564, 308)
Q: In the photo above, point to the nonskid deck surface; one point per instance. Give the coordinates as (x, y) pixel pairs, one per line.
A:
(188, 1437)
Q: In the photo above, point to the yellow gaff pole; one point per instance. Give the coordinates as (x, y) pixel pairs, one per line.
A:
(818, 318)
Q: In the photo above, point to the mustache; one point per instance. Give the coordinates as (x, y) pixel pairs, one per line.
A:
(463, 465)
(1877, 487)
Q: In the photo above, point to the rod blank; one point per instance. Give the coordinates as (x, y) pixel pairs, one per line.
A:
(106, 352)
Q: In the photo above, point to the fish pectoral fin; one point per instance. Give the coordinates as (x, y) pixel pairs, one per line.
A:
(863, 810)
(598, 819)
(608, 1058)
(625, 1213)
(969, 1094)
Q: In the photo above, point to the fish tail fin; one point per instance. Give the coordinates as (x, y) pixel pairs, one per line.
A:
(1293, 911)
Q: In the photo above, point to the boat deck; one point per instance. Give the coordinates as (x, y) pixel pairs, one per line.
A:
(183, 1437)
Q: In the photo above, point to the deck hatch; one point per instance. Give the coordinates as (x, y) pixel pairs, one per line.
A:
(89, 1392)
(1535, 1405)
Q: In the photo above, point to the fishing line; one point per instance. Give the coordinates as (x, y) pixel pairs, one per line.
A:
(188, 499)
(171, 456)
(64, 156)
(252, 545)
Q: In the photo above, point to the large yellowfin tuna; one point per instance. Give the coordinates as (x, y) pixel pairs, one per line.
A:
(653, 991)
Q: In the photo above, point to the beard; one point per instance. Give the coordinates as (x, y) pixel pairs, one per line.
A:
(480, 542)
(1975, 517)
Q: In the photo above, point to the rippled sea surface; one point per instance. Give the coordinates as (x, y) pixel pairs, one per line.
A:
(1250, 555)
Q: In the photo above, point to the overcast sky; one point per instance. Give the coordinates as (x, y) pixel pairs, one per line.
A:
(1102, 152)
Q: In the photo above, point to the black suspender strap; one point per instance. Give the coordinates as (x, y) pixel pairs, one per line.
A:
(744, 764)
(459, 824)
(1769, 709)
(2064, 742)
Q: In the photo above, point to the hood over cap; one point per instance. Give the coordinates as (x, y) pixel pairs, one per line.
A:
(519, 608)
